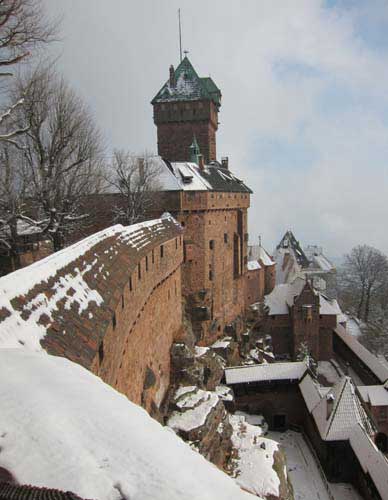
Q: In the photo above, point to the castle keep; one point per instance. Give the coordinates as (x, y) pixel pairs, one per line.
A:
(186, 106)
(208, 200)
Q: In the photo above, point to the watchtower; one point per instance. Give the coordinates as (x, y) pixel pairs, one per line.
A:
(185, 107)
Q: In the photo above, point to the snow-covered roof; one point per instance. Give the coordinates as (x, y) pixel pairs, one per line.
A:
(376, 395)
(259, 253)
(23, 228)
(322, 262)
(62, 427)
(40, 305)
(372, 461)
(265, 372)
(371, 361)
(188, 176)
(188, 86)
(282, 298)
(310, 392)
(253, 265)
(347, 410)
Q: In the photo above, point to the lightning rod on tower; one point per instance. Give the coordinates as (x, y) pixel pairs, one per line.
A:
(180, 34)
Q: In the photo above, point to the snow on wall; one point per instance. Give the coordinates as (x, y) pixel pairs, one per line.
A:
(26, 326)
(85, 437)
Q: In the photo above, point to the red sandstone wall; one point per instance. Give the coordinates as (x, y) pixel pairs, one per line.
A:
(270, 279)
(136, 346)
(254, 286)
(209, 256)
(178, 122)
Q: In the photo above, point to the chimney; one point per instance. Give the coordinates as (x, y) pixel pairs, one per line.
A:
(201, 163)
(329, 404)
(225, 162)
(172, 76)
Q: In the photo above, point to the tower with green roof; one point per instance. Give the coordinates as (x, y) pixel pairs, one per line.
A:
(186, 107)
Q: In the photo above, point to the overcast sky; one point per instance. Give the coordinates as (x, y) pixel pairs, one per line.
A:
(304, 118)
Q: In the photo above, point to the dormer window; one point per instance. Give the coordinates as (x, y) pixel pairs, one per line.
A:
(185, 177)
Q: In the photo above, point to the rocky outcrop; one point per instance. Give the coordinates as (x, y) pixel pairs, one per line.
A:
(200, 418)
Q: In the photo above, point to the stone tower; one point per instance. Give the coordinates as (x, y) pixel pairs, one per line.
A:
(186, 106)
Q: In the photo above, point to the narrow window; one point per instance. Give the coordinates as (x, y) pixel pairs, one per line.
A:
(176, 243)
(146, 262)
(161, 251)
(114, 322)
(225, 237)
(210, 275)
(101, 352)
(130, 283)
(153, 257)
(139, 270)
(211, 244)
(122, 301)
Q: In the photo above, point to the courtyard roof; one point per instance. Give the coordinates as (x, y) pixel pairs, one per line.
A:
(371, 361)
(335, 422)
(376, 395)
(282, 298)
(372, 461)
(265, 372)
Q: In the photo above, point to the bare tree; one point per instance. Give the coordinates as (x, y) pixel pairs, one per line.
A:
(363, 276)
(136, 179)
(14, 185)
(61, 150)
(23, 29)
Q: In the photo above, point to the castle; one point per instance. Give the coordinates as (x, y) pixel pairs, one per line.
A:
(129, 303)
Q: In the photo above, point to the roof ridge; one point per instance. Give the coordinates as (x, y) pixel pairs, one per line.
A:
(334, 411)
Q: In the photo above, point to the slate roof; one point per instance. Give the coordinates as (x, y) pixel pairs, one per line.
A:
(375, 395)
(187, 176)
(379, 369)
(291, 243)
(265, 372)
(188, 87)
(56, 303)
(26, 492)
(372, 461)
(347, 410)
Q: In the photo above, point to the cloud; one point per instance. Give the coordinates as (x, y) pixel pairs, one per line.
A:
(305, 107)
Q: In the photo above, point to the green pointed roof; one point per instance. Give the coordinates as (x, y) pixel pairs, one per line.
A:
(194, 150)
(188, 86)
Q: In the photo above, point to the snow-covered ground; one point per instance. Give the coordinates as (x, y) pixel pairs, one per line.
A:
(253, 468)
(304, 473)
(62, 427)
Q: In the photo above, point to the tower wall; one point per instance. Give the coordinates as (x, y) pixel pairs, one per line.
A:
(178, 122)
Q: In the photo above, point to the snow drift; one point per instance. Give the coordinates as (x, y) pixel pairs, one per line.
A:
(62, 427)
